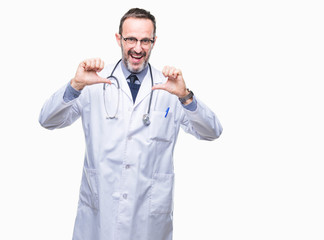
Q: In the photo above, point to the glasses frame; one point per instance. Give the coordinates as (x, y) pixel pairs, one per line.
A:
(150, 41)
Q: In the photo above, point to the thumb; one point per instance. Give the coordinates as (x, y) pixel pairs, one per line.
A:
(103, 80)
(159, 87)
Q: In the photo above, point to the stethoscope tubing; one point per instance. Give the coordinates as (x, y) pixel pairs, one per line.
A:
(146, 116)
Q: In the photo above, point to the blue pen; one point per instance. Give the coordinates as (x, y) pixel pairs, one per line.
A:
(166, 112)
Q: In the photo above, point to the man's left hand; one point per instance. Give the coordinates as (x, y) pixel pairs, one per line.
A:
(175, 83)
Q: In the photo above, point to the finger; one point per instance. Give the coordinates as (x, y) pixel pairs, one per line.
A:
(92, 64)
(177, 72)
(165, 71)
(159, 87)
(102, 80)
(171, 72)
(108, 81)
(87, 64)
(102, 65)
(174, 72)
(98, 64)
(82, 66)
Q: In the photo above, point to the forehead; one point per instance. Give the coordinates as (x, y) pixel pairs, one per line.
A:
(138, 27)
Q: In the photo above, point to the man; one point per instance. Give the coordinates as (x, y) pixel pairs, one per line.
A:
(127, 183)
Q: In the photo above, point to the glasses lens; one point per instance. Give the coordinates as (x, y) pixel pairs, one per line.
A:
(131, 41)
(146, 42)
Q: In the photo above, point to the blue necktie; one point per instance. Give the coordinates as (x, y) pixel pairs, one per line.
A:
(134, 87)
(132, 78)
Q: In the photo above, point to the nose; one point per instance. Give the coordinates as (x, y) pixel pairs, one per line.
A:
(138, 48)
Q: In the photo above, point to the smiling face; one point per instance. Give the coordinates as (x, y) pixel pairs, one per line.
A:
(136, 56)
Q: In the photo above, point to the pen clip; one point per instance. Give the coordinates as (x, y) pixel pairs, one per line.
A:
(166, 112)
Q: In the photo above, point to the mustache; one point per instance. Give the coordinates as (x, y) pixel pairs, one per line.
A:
(132, 52)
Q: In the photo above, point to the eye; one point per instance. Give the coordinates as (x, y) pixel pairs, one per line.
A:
(145, 41)
(131, 40)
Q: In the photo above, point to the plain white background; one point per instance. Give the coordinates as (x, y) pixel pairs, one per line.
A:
(257, 64)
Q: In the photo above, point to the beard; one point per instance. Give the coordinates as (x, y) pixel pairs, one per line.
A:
(137, 68)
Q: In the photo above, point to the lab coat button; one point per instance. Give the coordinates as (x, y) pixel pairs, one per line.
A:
(116, 195)
(127, 166)
(125, 196)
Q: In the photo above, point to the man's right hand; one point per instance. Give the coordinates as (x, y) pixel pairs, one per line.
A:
(87, 74)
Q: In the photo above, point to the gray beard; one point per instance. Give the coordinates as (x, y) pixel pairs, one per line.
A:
(129, 67)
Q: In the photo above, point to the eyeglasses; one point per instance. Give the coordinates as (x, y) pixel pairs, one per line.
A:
(131, 41)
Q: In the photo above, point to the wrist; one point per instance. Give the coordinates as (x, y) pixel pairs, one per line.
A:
(184, 94)
(187, 98)
(187, 102)
(76, 85)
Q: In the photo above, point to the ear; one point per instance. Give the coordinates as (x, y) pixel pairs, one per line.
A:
(154, 41)
(118, 37)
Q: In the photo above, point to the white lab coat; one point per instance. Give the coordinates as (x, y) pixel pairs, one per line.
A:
(126, 191)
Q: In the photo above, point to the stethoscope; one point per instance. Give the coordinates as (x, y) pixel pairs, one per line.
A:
(146, 116)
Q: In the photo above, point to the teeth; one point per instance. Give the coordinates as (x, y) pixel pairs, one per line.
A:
(137, 57)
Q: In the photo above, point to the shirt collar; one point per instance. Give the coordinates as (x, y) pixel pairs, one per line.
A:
(141, 75)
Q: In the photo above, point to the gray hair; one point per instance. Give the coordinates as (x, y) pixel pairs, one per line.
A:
(137, 13)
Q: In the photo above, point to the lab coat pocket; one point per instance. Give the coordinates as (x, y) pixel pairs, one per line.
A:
(162, 126)
(89, 188)
(162, 193)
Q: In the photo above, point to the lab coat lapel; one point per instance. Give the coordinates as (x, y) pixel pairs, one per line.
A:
(123, 82)
(145, 89)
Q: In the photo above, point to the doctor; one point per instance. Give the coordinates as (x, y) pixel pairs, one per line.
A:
(126, 191)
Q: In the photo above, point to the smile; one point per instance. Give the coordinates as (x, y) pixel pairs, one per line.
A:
(136, 56)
